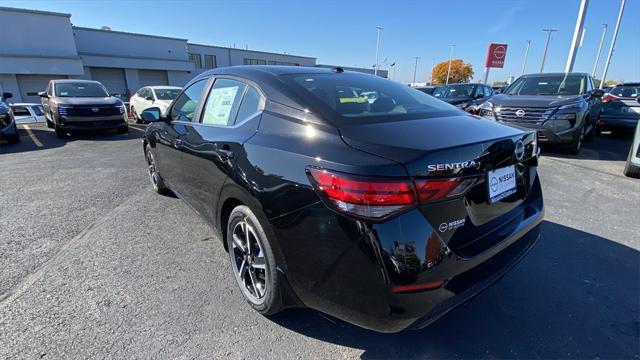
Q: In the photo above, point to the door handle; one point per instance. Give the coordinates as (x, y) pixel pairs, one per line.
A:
(177, 143)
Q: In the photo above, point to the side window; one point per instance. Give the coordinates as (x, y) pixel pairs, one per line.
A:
(589, 84)
(20, 111)
(479, 91)
(488, 91)
(140, 93)
(250, 104)
(185, 105)
(222, 102)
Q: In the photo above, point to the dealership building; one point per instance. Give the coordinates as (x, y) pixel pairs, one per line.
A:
(38, 46)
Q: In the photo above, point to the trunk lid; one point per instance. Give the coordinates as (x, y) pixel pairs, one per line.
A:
(457, 146)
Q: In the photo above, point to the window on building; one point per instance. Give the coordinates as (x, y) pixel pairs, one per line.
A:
(273, 62)
(210, 62)
(254, 62)
(195, 58)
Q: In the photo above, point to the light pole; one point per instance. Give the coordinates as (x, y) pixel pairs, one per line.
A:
(577, 36)
(449, 68)
(432, 62)
(546, 47)
(379, 29)
(613, 45)
(595, 66)
(526, 54)
(415, 69)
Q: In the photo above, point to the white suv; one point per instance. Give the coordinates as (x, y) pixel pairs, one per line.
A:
(152, 96)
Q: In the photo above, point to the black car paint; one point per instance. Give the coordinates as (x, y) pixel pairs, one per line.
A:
(8, 125)
(333, 263)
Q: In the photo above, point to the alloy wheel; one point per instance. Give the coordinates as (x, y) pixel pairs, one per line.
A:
(249, 261)
(153, 174)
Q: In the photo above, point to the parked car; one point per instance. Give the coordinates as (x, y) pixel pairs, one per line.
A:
(426, 89)
(75, 105)
(561, 107)
(498, 89)
(632, 167)
(8, 126)
(465, 96)
(620, 110)
(385, 214)
(27, 112)
(152, 96)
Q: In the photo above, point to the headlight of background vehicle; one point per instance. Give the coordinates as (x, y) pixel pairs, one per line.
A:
(486, 110)
(62, 110)
(561, 122)
(4, 120)
(462, 105)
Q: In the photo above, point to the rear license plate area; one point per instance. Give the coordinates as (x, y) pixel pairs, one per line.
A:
(501, 183)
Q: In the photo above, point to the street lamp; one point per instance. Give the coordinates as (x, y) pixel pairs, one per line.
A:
(595, 65)
(613, 45)
(449, 68)
(415, 69)
(546, 47)
(379, 29)
(526, 54)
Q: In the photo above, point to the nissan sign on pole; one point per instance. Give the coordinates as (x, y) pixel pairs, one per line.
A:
(496, 53)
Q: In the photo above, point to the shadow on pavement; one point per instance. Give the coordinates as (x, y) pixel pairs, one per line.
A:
(576, 295)
(608, 146)
(49, 140)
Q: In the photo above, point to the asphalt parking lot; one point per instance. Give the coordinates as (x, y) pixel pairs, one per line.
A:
(95, 265)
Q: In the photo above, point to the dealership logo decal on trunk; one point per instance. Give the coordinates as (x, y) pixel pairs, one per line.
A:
(451, 225)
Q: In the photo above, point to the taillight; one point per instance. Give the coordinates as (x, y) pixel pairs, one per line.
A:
(363, 197)
(608, 97)
(380, 198)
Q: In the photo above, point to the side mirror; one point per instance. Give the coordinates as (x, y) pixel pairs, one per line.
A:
(152, 114)
(43, 94)
(597, 93)
(7, 95)
(150, 98)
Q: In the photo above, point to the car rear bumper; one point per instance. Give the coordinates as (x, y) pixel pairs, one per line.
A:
(348, 269)
(612, 123)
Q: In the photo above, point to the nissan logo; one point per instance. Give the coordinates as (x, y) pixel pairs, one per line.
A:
(520, 113)
(95, 109)
(443, 227)
(519, 150)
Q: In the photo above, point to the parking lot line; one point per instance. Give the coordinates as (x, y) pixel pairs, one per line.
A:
(33, 137)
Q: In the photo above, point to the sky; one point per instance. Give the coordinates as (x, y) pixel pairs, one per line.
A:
(344, 32)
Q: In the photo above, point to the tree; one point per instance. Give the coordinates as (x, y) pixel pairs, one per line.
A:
(460, 72)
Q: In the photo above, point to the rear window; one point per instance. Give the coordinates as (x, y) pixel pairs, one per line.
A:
(454, 91)
(166, 94)
(80, 90)
(355, 97)
(626, 91)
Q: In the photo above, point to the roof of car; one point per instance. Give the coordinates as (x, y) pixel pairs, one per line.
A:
(59, 81)
(164, 87)
(629, 84)
(555, 74)
(275, 70)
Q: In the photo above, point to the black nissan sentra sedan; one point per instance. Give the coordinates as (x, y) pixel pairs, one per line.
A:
(386, 213)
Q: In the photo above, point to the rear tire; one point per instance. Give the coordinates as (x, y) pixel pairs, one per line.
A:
(253, 262)
(135, 116)
(631, 170)
(155, 178)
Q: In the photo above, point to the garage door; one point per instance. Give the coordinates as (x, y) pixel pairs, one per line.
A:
(152, 77)
(112, 79)
(31, 85)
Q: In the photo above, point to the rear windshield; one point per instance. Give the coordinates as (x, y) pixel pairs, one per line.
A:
(556, 85)
(355, 96)
(80, 90)
(166, 94)
(454, 91)
(626, 91)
